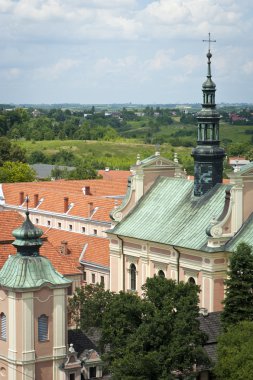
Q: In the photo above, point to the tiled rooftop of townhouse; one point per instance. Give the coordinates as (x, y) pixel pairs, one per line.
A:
(64, 256)
(92, 199)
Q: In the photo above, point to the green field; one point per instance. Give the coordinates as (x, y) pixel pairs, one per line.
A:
(122, 154)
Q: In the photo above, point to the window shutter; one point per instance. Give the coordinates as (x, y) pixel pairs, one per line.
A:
(3, 326)
(43, 328)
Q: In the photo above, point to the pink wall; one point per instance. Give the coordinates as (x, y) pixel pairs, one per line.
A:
(218, 294)
(44, 370)
(47, 307)
(4, 309)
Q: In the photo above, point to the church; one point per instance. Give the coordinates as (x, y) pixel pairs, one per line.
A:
(180, 229)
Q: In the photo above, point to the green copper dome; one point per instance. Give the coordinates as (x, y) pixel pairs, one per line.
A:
(29, 272)
(27, 237)
(27, 269)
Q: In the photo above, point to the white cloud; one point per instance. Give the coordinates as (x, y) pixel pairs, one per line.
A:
(248, 67)
(56, 70)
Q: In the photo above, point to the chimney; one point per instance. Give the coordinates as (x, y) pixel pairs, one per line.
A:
(66, 204)
(87, 190)
(64, 247)
(90, 209)
(35, 200)
(21, 198)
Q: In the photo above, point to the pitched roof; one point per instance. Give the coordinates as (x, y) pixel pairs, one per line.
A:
(244, 234)
(11, 220)
(170, 214)
(95, 249)
(115, 175)
(104, 194)
(211, 325)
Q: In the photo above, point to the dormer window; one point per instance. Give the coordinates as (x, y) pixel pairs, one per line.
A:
(43, 328)
(3, 329)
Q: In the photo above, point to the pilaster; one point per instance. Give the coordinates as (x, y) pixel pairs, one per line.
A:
(28, 351)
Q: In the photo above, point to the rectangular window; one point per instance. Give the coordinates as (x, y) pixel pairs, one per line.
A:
(48, 223)
(43, 328)
(93, 372)
(70, 291)
(3, 331)
(95, 232)
(72, 376)
(93, 278)
(102, 280)
(36, 221)
(59, 225)
(83, 230)
(84, 276)
(70, 227)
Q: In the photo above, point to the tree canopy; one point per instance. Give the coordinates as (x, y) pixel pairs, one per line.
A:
(16, 172)
(238, 303)
(235, 353)
(153, 337)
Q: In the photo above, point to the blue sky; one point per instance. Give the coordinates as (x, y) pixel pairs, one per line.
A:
(117, 51)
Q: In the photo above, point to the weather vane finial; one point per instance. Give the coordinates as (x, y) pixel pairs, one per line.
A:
(209, 41)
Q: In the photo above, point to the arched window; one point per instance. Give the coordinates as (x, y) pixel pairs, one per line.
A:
(191, 281)
(133, 277)
(3, 331)
(161, 273)
(43, 328)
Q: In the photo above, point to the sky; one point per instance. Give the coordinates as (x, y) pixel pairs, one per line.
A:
(122, 51)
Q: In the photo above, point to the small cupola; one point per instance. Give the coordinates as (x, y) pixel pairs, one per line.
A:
(27, 238)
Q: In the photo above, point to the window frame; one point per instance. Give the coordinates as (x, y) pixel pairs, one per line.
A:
(42, 336)
(133, 277)
(3, 327)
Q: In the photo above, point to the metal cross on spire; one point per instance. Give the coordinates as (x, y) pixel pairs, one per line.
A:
(209, 41)
(27, 202)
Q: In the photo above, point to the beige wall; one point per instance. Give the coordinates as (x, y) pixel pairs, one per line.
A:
(4, 345)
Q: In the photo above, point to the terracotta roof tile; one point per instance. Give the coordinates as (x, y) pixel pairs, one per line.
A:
(11, 220)
(96, 249)
(52, 194)
(115, 175)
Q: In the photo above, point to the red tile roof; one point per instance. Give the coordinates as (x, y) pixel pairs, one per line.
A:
(103, 193)
(115, 175)
(96, 249)
(11, 220)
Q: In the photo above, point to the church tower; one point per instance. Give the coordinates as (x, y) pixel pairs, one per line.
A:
(33, 324)
(208, 155)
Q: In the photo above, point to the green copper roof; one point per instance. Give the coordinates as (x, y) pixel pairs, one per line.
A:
(169, 214)
(244, 235)
(26, 272)
(27, 237)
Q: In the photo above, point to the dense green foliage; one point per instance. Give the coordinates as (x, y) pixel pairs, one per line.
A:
(238, 303)
(235, 353)
(16, 172)
(153, 337)
(10, 151)
(174, 129)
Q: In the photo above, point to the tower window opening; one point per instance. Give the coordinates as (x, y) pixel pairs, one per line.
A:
(43, 328)
(3, 329)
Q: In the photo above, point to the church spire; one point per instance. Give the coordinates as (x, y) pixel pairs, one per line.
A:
(208, 155)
